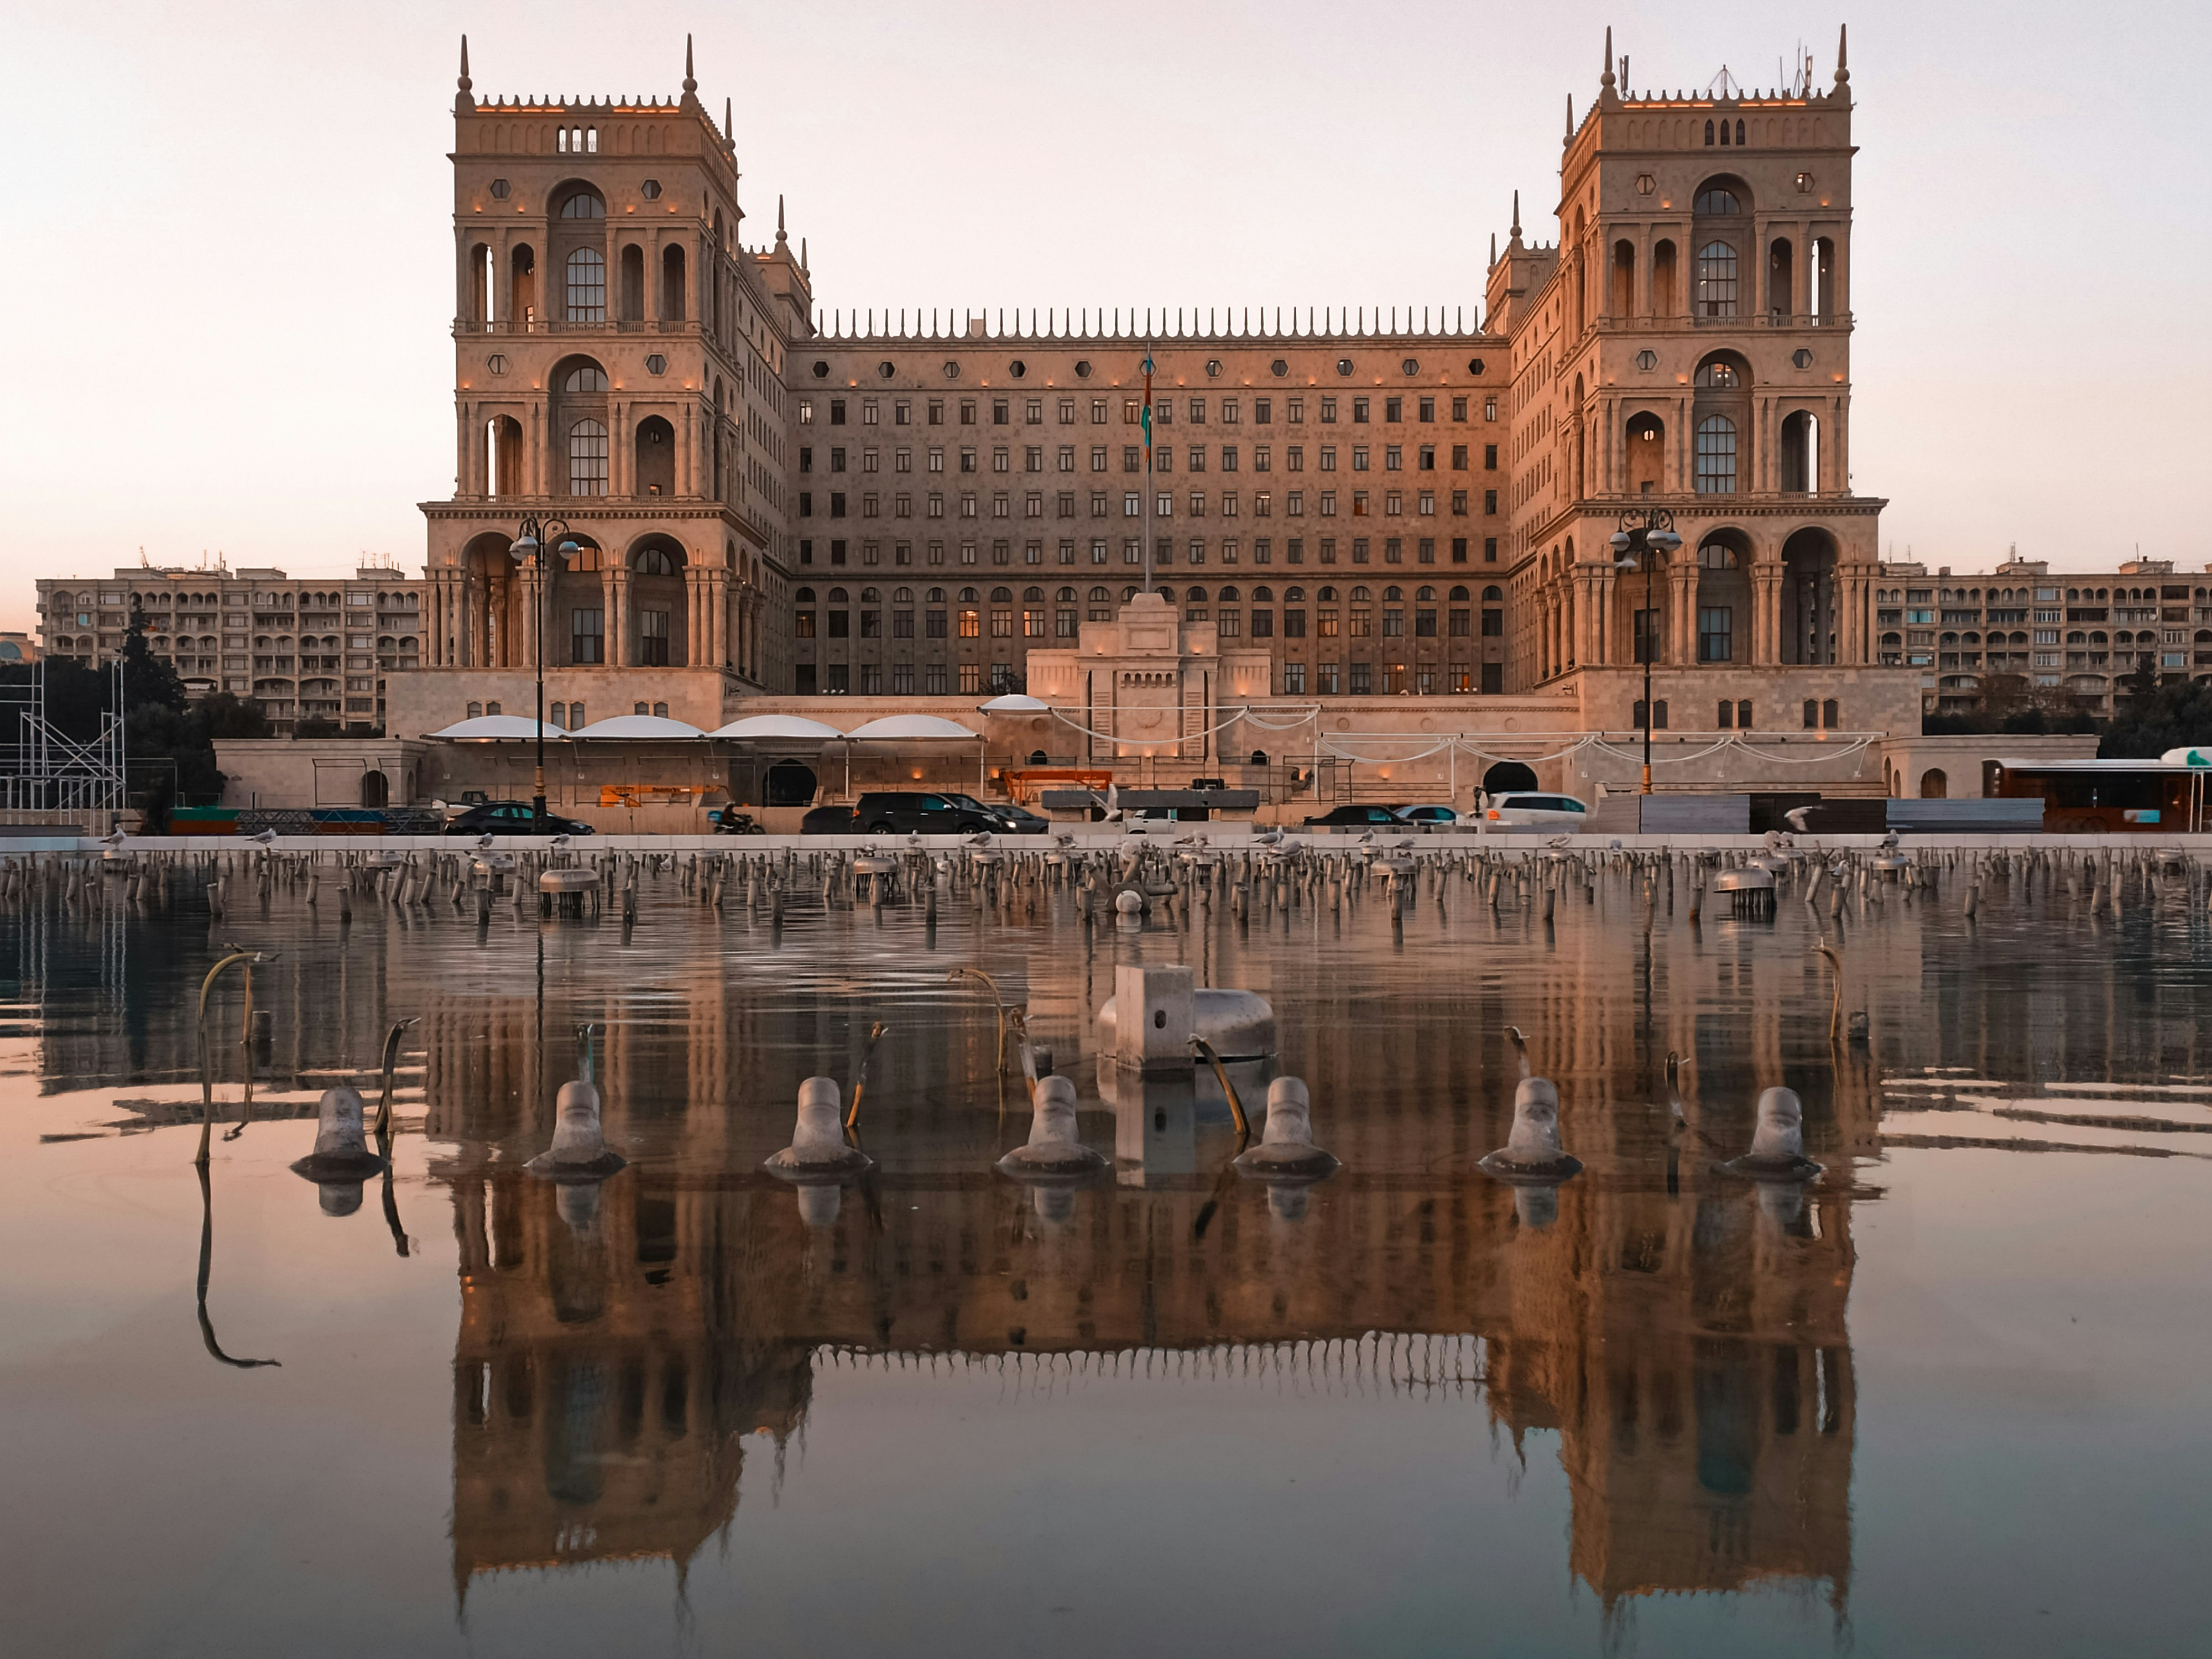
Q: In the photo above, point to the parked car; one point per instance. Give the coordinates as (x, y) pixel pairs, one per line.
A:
(1337, 818)
(1532, 811)
(1012, 819)
(512, 818)
(904, 812)
(729, 821)
(1433, 817)
(830, 821)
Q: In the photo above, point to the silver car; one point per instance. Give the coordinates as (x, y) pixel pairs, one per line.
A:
(1534, 811)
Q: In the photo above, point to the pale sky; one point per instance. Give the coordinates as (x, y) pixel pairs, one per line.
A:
(231, 283)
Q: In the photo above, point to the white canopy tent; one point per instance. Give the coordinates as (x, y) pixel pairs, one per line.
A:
(757, 728)
(915, 728)
(650, 727)
(499, 728)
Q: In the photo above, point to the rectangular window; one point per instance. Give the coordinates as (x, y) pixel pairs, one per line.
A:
(1493, 678)
(1716, 633)
(1294, 624)
(901, 679)
(1647, 635)
(1359, 411)
(840, 624)
(933, 622)
(1263, 624)
(1002, 625)
(802, 624)
(840, 677)
(971, 677)
(1424, 624)
(933, 677)
(1394, 622)
(1327, 675)
(1490, 549)
(1294, 679)
(1363, 679)
(902, 624)
(1490, 503)
(653, 639)
(588, 640)
(1493, 624)
(1226, 623)
(971, 624)
(1460, 623)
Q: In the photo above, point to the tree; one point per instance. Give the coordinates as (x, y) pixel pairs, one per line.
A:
(225, 716)
(2158, 716)
(147, 680)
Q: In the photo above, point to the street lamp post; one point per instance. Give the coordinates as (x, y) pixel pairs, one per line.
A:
(532, 542)
(1645, 532)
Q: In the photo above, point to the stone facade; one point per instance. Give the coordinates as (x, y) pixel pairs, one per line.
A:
(308, 648)
(2022, 633)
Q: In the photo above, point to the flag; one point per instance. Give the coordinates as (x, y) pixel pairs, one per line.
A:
(1145, 416)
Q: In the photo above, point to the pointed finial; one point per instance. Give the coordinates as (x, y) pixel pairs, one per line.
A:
(1605, 80)
(690, 81)
(1516, 216)
(465, 101)
(802, 254)
(1571, 115)
(1493, 247)
(465, 83)
(779, 219)
(1842, 54)
(727, 104)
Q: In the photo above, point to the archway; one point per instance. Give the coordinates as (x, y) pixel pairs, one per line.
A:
(1509, 777)
(655, 473)
(1934, 785)
(375, 790)
(656, 626)
(1810, 608)
(789, 783)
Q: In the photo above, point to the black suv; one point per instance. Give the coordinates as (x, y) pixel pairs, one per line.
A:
(899, 812)
(511, 817)
(1380, 817)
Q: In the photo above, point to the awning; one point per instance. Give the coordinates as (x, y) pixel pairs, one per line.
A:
(911, 728)
(1015, 702)
(496, 728)
(756, 727)
(635, 726)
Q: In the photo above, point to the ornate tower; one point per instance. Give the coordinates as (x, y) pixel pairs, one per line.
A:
(618, 364)
(1687, 347)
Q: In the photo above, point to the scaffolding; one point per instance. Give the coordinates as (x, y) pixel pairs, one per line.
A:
(49, 776)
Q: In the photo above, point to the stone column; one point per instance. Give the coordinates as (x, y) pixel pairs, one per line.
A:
(614, 585)
(1766, 612)
(1682, 604)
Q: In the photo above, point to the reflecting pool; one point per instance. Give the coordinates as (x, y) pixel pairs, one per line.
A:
(1950, 1397)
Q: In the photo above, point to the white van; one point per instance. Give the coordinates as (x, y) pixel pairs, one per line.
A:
(1534, 811)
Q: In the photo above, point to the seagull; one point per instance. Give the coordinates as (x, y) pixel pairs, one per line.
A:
(263, 836)
(1889, 842)
(483, 841)
(1520, 1047)
(1270, 838)
(1061, 837)
(1367, 840)
(913, 838)
(1402, 843)
(981, 839)
(561, 840)
(116, 839)
(1561, 841)
(1676, 1119)
(1797, 816)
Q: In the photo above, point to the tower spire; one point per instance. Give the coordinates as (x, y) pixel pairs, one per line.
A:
(1569, 138)
(465, 101)
(1842, 54)
(465, 83)
(1516, 216)
(726, 104)
(690, 81)
(1605, 80)
(780, 238)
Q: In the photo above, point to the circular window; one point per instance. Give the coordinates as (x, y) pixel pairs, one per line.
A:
(1344, 365)
(1278, 368)
(1083, 369)
(500, 188)
(496, 363)
(1018, 368)
(821, 370)
(1410, 365)
(1474, 365)
(887, 368)
(656, 364)
(1647, 360)
(1214, 367)
(951, 369)
(1645, 184)
(650, 190)
(1801, 357)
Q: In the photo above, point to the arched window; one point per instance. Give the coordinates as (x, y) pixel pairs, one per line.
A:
(1002, 596)
(872, 596)
(1038, 758)
(1032, 596)
(1066, 595)
(585, 377)
(1100, 596)
(1494, 595)
(838, 596)
(1717, 555)
(1392, 593)
(1715, 456)
(936, 596)
(1714, 200)
(1196, 596)
(1828, 715)
(588, 458)
(968, 596)
(902, 595)
(476, 711)
(557, 716)
(1716, 295)
(576, 720)
(1294, 596)
(1459, 593)
(652, 562)
(1738, 132)
(804, 596)
(583, 203)
(1709, 139)
(587, 286)
(1718, 374)
(1359, 595)
(1263, 596)
(1426, 593)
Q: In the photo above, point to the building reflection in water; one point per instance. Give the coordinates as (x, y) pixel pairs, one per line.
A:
(1681, 1331)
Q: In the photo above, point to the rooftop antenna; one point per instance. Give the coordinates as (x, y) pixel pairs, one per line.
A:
(1724, 85)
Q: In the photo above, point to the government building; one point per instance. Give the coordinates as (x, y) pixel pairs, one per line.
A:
(1376, 524)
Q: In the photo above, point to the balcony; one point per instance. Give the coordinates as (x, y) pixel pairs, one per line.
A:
(465, 329)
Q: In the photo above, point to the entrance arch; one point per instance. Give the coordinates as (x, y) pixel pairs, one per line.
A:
(789, 783)
(375, 790)
(1509, 777)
